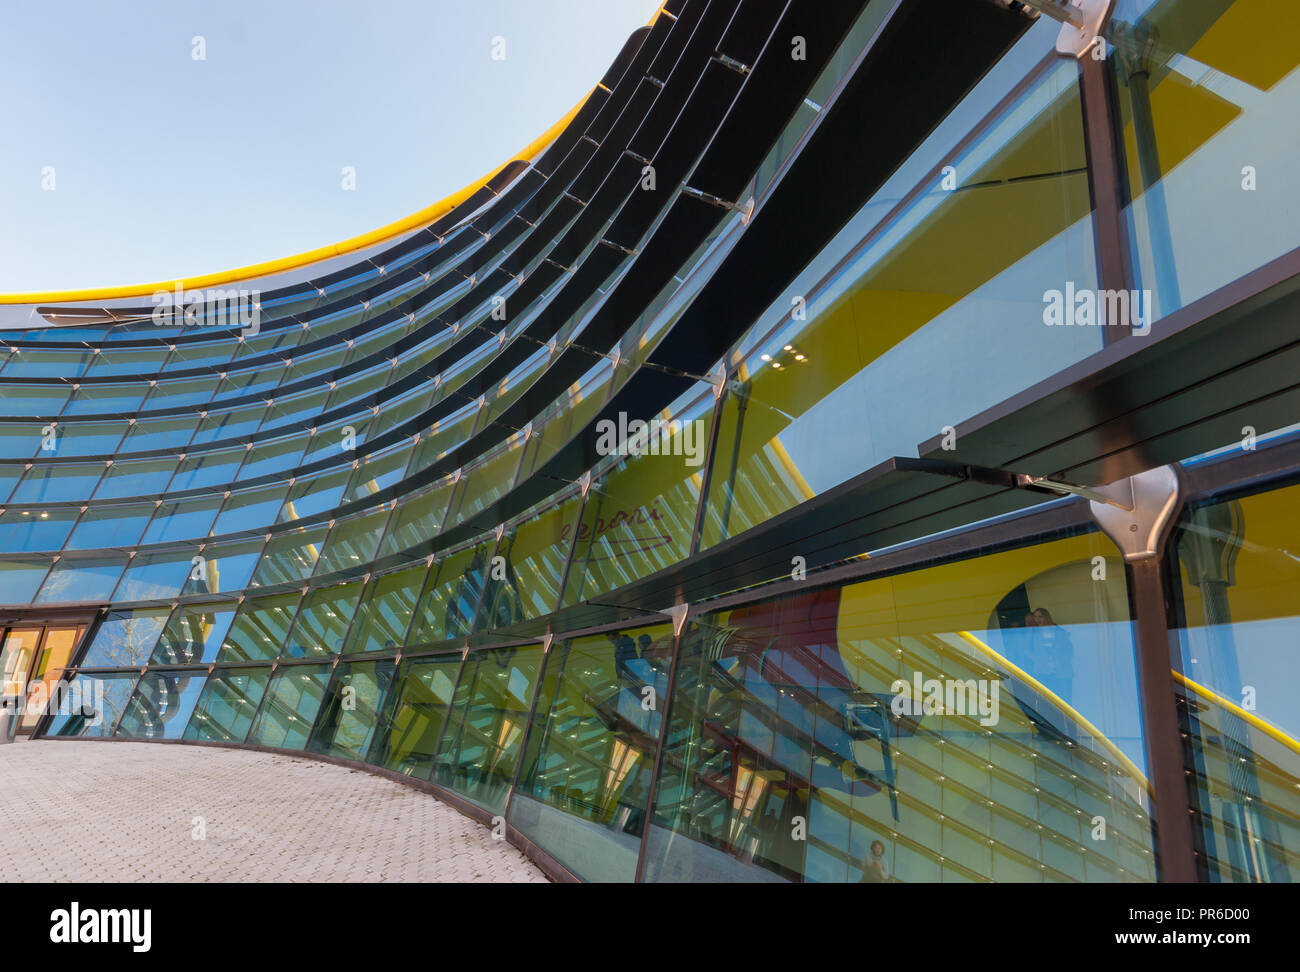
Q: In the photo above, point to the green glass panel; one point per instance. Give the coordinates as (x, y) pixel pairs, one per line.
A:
(385, 610)
(292, 700)
(228, 704)
(322, 621)
(584, 782)
(407, 740)
(451, 596)
(485, 730)
(259, 629)
(351, 710)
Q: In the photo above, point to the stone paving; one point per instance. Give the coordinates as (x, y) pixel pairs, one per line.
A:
(120, 811)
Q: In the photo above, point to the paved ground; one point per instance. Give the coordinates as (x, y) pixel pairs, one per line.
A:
(85, 811)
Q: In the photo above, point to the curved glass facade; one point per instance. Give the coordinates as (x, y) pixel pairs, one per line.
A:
(581, 505)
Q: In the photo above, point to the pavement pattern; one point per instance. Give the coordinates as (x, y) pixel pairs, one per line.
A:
(144, 812)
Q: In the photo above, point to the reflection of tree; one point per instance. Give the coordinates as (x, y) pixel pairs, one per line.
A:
(125, 642)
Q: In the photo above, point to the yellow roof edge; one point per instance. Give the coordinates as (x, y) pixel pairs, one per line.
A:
(414, 221)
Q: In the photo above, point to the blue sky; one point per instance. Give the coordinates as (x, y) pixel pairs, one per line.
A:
(165, 166)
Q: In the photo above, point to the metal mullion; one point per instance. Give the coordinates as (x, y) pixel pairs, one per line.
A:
(1161, 729)
(532, 717)
(573, 549)
(1102, 148)
(653, 789)
(706, 481)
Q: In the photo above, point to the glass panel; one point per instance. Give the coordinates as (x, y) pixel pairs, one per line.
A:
(290, 556)
(27, 530)
(960, 723)
(43, 400)
(250, 509)
(161, 706)
(125, 639)
(259, 629)
(8, 476)
(407, 740)
(226, 708)
(295, 409)
(351, 711)
(88, 438)
(377, 471)
(224, 567)
(275, 456)
(105, 400)
(1206, 93)
(83, 579)
(20, 645)
(290, 706)
(322, 621)
(207, 469)
(485, 728)
(58, 483)
(229, 424)
(91, 705)
(1235, 667)
(20, 577)
(451, 596)
(20, 440)
(186, 519)
(882, 304)
(145, 361)
(171, 432)
(385, 611)
(111, 526)
(585, 778)
(178, 394)
(313, 495)
(194, 634)
(136, 477)
(353, 541)
(418, 519)
(526, 584)
(153, 576)
(56, 653)
(639, 516)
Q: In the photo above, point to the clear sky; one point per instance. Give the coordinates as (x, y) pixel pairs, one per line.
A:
(167, 166)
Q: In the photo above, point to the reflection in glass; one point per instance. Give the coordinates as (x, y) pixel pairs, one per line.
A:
(485, 728)
(585, 778)
(289, 709)
(893, 730)
(1234, 668)
(412, 723)
(226, 708)
(162, 703)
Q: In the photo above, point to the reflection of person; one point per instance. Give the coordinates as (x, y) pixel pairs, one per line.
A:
(644, 644)
(624, 655)
(1051, 653)
(875, 869)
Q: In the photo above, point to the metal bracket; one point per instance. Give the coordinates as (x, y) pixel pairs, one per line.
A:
(1135, 512)
(678, 613)
(1152, 498)
(1081, 22)
(746, 209)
